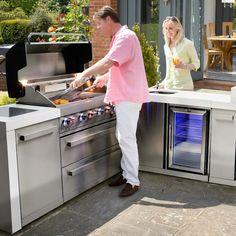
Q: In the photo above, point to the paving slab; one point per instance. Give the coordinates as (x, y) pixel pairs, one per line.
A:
(164, 205)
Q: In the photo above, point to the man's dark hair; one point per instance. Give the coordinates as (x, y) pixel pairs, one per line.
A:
(107, 11)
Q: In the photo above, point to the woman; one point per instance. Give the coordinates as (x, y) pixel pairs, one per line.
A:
(181, 56)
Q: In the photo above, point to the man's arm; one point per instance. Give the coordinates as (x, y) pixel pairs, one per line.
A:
(99, 67)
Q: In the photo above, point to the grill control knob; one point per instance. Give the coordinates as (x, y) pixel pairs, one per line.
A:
(90, 114)
(99, 111)
(65, 122)
(72, 120)
(107, 109)
(82, 117)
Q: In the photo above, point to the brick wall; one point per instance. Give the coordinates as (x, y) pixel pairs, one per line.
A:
(3, 83)
(99, 42)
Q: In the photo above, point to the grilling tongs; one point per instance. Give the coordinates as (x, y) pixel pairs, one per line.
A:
(70, 89)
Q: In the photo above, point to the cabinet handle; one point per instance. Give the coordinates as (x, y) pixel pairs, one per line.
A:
(78, 170)
(224, 117)
(235, 160)
(87, 138)
(38, 134)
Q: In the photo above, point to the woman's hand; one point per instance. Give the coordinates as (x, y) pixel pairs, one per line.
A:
(182, 65)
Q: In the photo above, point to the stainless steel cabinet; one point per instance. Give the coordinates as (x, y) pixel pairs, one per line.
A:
(151, 136)
(38, 155)
(223, 138)
(89, 157)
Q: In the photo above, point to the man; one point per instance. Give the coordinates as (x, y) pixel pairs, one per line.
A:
(127, 89)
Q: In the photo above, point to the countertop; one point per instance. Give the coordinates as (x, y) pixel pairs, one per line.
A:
(40, 114)
(194, 98)
(185, 98)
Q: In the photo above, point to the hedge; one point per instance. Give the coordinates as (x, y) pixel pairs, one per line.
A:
(13, 31)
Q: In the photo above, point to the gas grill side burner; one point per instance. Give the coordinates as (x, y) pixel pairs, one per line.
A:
(89, 151)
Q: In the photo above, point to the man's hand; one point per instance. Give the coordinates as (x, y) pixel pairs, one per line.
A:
(79, 81)
(100, 81)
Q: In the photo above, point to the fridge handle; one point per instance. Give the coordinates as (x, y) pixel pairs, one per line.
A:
(235, 160)
(170, 137)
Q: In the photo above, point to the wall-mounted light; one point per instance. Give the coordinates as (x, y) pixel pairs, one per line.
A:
(228, 1)
(165, 1)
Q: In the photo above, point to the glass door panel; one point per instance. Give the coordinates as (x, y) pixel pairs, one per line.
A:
(187, 140)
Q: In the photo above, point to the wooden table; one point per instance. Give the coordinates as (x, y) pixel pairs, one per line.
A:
(224, 44)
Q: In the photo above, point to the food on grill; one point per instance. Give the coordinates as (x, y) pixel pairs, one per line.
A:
(60, 101)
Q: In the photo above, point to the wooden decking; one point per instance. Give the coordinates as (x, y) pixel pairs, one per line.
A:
(214, 84)
(219, 80)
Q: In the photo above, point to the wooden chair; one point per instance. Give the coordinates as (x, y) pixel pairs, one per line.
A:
(213, 56)
(227, 28)
(211, 29)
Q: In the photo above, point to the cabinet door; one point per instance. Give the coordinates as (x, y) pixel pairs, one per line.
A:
(39, 167)
(223, 144)
(150, 135)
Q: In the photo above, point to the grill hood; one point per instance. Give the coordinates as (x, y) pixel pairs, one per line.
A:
(44, 61)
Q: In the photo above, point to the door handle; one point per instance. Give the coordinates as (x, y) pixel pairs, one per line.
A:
(37, 134)
(87, 138)
(170, 137)
(82, 168)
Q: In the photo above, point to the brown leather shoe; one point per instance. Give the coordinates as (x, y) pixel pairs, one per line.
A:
(117, 182)
(128, 190)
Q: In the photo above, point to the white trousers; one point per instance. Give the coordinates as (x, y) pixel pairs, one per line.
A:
(127, 114)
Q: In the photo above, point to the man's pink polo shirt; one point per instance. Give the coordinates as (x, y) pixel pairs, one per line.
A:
(127, 78)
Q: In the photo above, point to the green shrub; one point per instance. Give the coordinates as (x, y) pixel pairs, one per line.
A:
(150, 57)
(4, 6)
(13, 31)
(26, 5)
(4, 99)
(18, 13)
(41, 19)
(7, 14)
(1, 40)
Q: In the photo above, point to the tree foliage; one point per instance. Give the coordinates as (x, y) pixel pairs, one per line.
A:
(6, 13)
(26, 5)
(75, 20)
(41, 18)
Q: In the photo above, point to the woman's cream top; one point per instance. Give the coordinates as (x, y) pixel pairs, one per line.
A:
(180, 78)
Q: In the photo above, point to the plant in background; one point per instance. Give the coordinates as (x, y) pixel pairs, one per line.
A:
(75, 21)
(150, 57)
(4, 99)
(13, 31)
(41, 18)
(26, 5)
(6, 13)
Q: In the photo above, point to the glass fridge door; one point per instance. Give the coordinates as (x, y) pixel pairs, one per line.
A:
(187, 139)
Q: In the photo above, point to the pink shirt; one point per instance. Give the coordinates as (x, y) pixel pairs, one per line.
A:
(127, 78)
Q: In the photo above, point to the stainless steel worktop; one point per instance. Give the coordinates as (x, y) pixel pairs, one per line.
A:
(193, 98)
